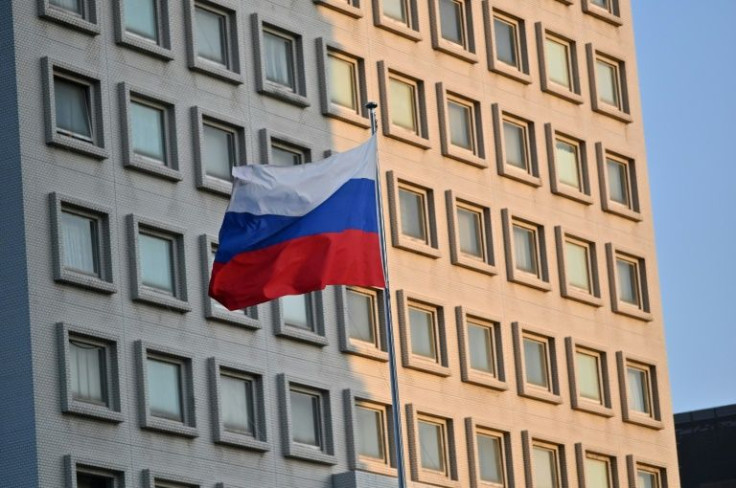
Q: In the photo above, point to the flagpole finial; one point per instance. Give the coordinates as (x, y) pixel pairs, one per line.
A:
(372, 106)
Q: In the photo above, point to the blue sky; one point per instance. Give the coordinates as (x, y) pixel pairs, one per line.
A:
(687, 66)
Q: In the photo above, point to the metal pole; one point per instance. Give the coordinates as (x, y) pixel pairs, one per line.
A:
(390, 346)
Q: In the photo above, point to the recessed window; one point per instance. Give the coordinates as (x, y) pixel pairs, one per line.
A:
(397, 10)
(403, 104)
(516, 154)
(516, 144)
(220, 149)
(149, 131)
(413, 205)
(460, 127)
(470, 235)
(142, 18)
(604, 4)
(280, 59)
(639, 395)
(94, 480)
(559, 64)
(618, 184)
(536, 362)
(283, 154)
(73, 108)
(462, 131)
(471, 232)
(609, 83)
(247, 317)
(589, 379)
(297, 310)
(362, 313)
(81, 15)
(568, 166)
(452, 21)
(343, 81)
(481, 347)
(491, 458)
(280, 72)
(628, 283)
(157, 263)
(165, 379)
(578, 265)
(81, 242)
(526, 249)
(567, 161)
(639, 389)
(372, 435)
(88, 364)
(619, 190)
(433, 451)
(546, 465)
(238, 403)
(83, 474)
(308, 431)
(526, 258)
(342, 84)
(598, 471)
(213, 46)
(647, 477)
(423, 331)
(300, 317)
(306, 412)
(507, 41)
(506, 44)
(212, 34)
(588, 374)
(607, 10)
(481, 351)
(74, 6)
(629, 290)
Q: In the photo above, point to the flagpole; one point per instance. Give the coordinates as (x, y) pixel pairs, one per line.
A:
(390, 346)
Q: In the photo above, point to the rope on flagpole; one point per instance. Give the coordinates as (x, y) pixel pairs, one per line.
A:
(390, 345)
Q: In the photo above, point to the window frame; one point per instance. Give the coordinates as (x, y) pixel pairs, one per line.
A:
(632, 211)
(584, 452)
(408, 30)
(177, 302)
(111, 412)
(188, 426)
(73, 465)
(531, 175)
(551, 394)
(353, 8)
(653, 419)
(231, 71)
(326, 453)
(318, 316)
(259, 441)
(604, 408)
(249, 319)
(642, 311)
(465, 51)
(156, 479)
(541, 281)
(429, 248)
(521, 73)
(267, 138)
(449, 479)
(612, 15)
(440, 366)
(161, 50)
(621, 113)
(419, 138)
(583, 195)
(104, 282)
(168, 168)
(348, 345)
(95, 147)
(486, 264)
(351, 400)
(567, 290)
(87, 23)
(359, 116)
(495, 381)
(572, 94)
(634, 464)
(200, 118)
(296, 95)
(529, 441)
(475, 427)
(474, 156)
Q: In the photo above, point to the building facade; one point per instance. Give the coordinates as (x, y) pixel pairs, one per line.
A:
(520, 241)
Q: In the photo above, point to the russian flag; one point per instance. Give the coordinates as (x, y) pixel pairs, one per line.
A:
(292, 230)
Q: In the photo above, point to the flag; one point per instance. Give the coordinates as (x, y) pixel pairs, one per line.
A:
(292, 230)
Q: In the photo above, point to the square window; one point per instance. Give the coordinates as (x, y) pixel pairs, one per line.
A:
(639, 391)
(247, 317)
(90, 373)
(628, 284)
(516, 153)
(452, 28)
(618, 185)
(149, 133)
(238, 408)
(526, 258)
(361, 322)
(74, 116)
(143, 25)
(536, 365)
(460, 127)
(506, 44)
(81, 237)
(608, 91)
(342, 89)
(432, 447)
(301, 317)
(413, 225)
(81, 15)
(308, 427)
(397, 16)
(607, 10)
(212, 38)
(167, 401)
(578, 261)
(558, 65)
(422, 334)
(404, 117)
(481, 357)
(471, 242)
(158, 256)
(280, 72)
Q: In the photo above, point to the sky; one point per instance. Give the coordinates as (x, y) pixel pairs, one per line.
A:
(687, 66)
